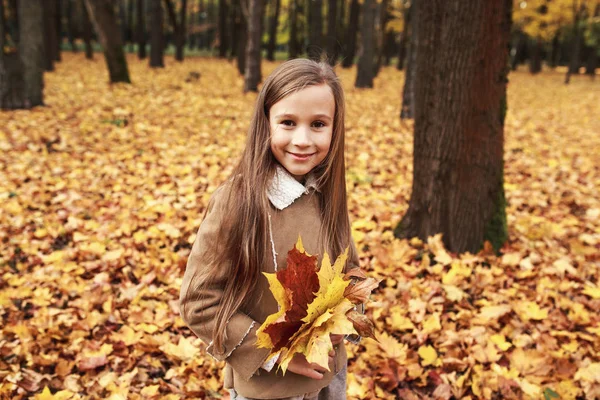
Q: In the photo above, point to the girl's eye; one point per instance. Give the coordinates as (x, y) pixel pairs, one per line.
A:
(287, 122)
(318, 124)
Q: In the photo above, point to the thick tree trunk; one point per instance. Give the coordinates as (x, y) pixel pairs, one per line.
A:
(102, 14)
(11, 26)
(156, 36)
(22, 73)
(223, 36)
(459, 124)
(332, 45)
(273, 22)
(366, 72)
(252, 73)
(140, 29)
(404, 39)
(407, 111)
(351, 33)
(294, 47)
(535, 62)
(87, 31)
(315, 30)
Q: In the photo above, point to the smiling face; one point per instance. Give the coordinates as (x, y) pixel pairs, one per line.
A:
(301, 129)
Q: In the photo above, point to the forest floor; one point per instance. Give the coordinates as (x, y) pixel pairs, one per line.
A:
(103, 189)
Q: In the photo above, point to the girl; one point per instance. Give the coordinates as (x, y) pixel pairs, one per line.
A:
(289, 182)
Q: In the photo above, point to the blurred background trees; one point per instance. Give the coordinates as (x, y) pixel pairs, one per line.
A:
(369, 33)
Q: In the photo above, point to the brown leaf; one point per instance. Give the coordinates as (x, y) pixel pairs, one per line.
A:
(355, 273)
(360, 292)
(362, 324)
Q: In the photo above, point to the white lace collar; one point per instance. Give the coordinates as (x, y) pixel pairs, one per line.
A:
(284, 189)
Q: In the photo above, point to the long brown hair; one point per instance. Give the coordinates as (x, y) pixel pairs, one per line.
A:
(246, 247)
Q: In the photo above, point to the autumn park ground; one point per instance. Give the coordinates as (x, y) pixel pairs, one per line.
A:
(103, 189)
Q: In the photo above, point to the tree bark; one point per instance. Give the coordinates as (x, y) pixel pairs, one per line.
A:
(102, 14)
(407, 111)
(366, 73)
(459, 124)
(315, 30)
(294, 47)
(252, 73)
(156, 36)
(351, 32)
(22, 72)
(223, 36)
(273, 22)
(87, 32)
(140, 28)
(332, 44)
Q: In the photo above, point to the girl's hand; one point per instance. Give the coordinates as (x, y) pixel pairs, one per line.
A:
(299, 365)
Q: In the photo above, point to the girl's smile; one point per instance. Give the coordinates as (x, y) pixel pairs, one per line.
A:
(301, 129)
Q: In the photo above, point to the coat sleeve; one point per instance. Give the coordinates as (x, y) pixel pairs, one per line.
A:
(201, 304)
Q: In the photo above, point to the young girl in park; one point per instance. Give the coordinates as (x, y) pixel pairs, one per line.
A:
(290, 181)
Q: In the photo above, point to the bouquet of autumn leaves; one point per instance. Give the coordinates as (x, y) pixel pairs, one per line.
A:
(312, 305)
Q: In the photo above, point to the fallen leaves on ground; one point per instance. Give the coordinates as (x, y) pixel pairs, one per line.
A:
(102, 191)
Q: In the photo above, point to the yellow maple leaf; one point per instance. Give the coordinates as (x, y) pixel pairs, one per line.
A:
(283, 298)
(428, 355)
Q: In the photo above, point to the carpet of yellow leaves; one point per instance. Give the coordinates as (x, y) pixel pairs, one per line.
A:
(102, 190)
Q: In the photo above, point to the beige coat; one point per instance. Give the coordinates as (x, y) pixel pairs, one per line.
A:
(291, 217)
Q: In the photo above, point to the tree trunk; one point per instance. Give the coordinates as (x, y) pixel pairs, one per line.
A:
(351, 32)
(156, 36)
(243, 38)
(535, 62)
(380, 21)
(252, 74)
(294, 47)
(273, 22)
(87, 32)
(223, 36)
(58, 30)
(364, 77)
(553, 62)
(70, 26)
(459, 124)
(130, 35)
(592, 63)
(315, 31)
(404, 39)
(407, 111)
(22, 72)
(49, 26)
(575, 62)
(140, 28)
(102, 14)
(332, 44)
(12, 25)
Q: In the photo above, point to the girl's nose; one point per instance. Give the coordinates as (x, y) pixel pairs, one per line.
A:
(301, 137)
